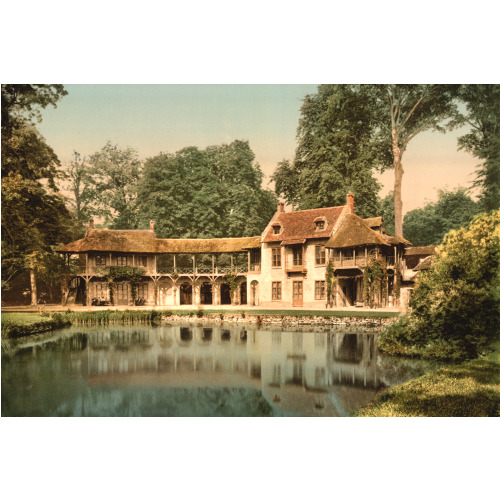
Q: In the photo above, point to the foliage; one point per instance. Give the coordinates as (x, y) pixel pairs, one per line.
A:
(18, 325)
(334, 153)
(401, 112)
(386, 210)
(470, 389)
(455, 305)
(34, 217)
(330, 281)
(482, 103)
(131, 275)
(109, 316)
(211, 193)
(232, 280)
(375, 280)
(429, 225)
(114, 175)
(80, 185)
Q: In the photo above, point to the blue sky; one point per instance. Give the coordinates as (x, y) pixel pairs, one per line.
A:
(166, 118)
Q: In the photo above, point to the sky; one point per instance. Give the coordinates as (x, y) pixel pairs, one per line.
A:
(166, 118)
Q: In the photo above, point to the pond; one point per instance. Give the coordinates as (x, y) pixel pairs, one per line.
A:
(197, 370)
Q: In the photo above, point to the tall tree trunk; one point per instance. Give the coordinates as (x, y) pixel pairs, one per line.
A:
(34, 299)
(398, 180)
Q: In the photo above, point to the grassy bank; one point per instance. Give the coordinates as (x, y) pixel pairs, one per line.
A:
(21, 324)
(470, 389)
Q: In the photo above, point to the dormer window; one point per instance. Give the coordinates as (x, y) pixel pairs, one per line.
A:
(276, 229)
(320, 223)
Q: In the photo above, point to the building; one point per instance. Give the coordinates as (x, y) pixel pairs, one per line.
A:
(325, 257)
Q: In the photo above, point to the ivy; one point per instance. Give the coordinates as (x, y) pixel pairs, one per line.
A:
(131, 275)
(375, 280)
(231, 280)
(330, 281)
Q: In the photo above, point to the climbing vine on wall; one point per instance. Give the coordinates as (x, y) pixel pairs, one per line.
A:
(131, 275)
(375, 280)
(231, 280)
(330, 281)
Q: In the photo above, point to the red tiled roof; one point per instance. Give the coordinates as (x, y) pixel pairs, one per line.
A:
(300, 224)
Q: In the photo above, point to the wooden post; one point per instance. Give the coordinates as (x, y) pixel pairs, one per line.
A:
(354, 251)
(175, 264)
(213, 264)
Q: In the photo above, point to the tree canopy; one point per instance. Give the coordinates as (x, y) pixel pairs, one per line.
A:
(335, 153)
(429, 225)
(215, 192)
(34, 216)
(482, 115)
(111, 184)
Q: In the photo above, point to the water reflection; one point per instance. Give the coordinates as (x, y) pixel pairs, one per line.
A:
(197, 370)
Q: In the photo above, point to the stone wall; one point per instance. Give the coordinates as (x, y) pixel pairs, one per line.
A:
(270, 319)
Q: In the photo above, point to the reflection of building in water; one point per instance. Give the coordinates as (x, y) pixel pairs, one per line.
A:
(304, 372)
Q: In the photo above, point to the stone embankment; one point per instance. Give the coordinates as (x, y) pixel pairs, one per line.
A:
(283, 320)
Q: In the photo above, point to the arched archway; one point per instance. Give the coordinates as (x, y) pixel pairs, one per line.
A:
(186, 294)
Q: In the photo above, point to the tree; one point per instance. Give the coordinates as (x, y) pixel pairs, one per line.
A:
(215, 192)
(114, 174)
(456, 304)
(429, 225)
(387, 212)
(335, 152)
(400, 113)
(482, 103)
(80, 186)
(34, 217)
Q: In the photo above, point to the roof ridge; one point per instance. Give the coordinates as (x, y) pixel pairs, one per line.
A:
(309, 209)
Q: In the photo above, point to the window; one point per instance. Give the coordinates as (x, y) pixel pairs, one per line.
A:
(121, 260)
(297, 256)
(319, 290)
(320, 255)
(276, 290)
(276, 229)
(142, 291)
(276, 257)
(320, 225)
(100, 260)
(141, 260)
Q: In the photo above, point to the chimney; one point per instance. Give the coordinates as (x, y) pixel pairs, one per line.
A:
(152, 225)
(91, 223)
(350, 203)
(281, 206)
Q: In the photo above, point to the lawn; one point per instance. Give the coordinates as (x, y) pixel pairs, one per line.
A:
(19, 324)
(470, 389)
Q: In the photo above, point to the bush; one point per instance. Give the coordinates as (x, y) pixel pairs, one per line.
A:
(456, 304)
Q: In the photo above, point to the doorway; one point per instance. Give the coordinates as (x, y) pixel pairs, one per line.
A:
(297, 297)
(122, 294)
(206, 293)
(186, 294)
(243, 293)
(225, 294)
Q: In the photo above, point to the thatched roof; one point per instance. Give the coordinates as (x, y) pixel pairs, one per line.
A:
(142, 241)
(425, 264)
(374, 221)
(300, 224)
(113, 240)
(429, 250)
(354, 232)
(215, 245)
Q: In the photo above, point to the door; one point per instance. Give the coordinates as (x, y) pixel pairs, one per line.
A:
(122, 294)
(297, 293)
